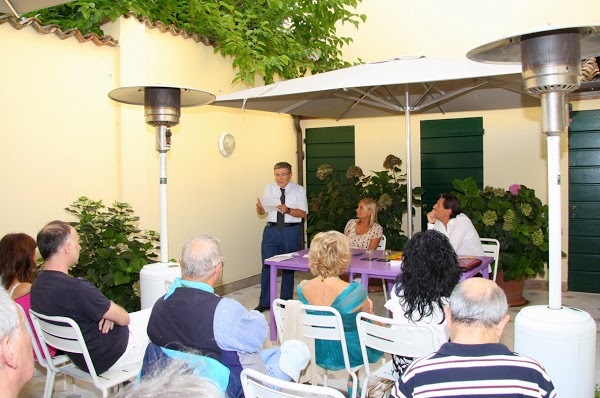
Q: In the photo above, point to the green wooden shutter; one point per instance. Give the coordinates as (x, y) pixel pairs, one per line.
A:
(584, 202)
(450, 149)
(327, 145)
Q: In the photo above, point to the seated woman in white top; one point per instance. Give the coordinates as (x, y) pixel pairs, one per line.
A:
(429, 273)
(363, 232)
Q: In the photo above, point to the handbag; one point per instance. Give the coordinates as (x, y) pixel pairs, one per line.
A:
(379, 387)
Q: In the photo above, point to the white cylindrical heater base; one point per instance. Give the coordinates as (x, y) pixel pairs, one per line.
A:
(564, 342)
(154, 281)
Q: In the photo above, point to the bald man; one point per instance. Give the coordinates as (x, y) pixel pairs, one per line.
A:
(474, 363)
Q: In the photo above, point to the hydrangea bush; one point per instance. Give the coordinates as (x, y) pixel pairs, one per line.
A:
(336, 202)
(516, 217)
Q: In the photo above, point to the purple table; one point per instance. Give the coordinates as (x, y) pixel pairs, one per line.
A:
(365, 268)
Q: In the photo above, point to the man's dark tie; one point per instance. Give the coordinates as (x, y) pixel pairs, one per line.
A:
(280, 215)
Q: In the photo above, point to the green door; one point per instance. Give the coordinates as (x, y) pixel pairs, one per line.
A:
(450, 149)
(584, 202)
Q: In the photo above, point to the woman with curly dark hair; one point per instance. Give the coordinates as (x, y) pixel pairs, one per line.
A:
(430, 272)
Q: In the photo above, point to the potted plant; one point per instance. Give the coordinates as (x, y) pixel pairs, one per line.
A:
(517, 218)
(113, 249)
(336, 202)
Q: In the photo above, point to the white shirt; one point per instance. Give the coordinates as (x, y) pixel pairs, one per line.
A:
(441, 333)
(295, 198)
(462, 234)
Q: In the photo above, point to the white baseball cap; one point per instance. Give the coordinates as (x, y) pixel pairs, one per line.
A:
(294, 358)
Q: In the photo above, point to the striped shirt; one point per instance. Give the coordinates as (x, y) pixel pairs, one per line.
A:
(482, 370)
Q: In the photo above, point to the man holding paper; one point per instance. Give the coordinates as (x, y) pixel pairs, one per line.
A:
(286, 205)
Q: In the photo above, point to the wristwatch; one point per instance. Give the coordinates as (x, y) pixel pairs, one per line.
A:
(288, 210)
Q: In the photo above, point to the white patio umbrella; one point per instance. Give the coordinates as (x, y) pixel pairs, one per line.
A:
(398, 86)
(18, 7)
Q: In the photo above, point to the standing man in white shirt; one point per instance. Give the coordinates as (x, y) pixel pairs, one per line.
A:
(282, 234)
(447, 217)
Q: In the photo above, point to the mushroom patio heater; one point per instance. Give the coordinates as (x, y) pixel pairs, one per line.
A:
(162, 106)
(562, 339)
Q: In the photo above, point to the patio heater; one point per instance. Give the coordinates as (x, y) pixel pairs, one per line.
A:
(562, 339)
(162, 110)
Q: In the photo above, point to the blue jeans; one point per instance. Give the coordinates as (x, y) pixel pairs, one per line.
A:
(278, 242)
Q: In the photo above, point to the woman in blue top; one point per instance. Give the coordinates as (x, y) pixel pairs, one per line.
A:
(328, 258)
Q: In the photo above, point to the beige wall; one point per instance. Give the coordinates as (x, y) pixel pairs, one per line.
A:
(452, 28)
(63, 138)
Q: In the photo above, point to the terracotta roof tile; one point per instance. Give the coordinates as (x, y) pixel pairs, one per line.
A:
(93, 37)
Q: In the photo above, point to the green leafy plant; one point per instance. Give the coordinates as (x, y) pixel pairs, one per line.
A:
(113, 249)
(517, 218)
(264, 37)
(335, 204)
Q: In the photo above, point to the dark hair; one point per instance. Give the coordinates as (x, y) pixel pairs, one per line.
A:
(283, 165)
(16, 259)
(451, 202)
(51, 237)
(429, 272)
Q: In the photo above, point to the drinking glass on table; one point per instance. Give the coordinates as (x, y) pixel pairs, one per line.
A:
(370, 254)
(386, 255)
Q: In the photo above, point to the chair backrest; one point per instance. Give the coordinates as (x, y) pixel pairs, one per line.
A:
(318, 322)
(34, 340)
(64, 334)
(491, 247)
(393, 337)
(258, 385)
(382, 243)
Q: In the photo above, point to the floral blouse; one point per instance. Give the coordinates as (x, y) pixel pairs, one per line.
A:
(361, 241)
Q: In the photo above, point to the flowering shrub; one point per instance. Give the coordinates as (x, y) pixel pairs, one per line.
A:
(516, 217)
(336, 202)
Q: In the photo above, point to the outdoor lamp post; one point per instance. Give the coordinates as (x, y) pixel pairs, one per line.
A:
(562, 339)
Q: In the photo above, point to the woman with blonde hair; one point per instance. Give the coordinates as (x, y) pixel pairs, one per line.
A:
(328, 258)
(363, 231)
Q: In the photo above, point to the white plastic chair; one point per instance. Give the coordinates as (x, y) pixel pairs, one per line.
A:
(381, 246)
(57, 360)
(491, 247)
(258, 385)
(382, 243)
(64, 334)
(393, 338)
(326, 325)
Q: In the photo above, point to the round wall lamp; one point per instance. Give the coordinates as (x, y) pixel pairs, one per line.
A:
(226, 143)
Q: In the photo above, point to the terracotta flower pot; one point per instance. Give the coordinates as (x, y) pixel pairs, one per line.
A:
(512, 289)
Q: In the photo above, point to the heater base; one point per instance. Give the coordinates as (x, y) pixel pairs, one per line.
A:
(564, 342)
(154, 281)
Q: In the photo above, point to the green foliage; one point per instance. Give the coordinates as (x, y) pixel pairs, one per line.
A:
(517, 218)
(264, 37)
(336, 202)
(113, 249)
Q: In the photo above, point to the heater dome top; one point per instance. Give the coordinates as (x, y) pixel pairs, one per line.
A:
(508, 50)
(135, 95)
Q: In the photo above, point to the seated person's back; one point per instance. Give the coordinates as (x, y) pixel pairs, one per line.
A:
(191, 317)
(113, 339)
(328, 258)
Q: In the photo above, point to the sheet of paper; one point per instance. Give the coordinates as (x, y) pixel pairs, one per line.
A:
(283, 257)
(270, 203)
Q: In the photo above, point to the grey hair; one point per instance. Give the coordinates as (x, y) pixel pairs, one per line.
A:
(199, 257)
(9, 315)
(483, 305)
(173, 381)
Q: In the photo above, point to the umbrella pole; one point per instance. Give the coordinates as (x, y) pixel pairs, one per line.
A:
(409, 217)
